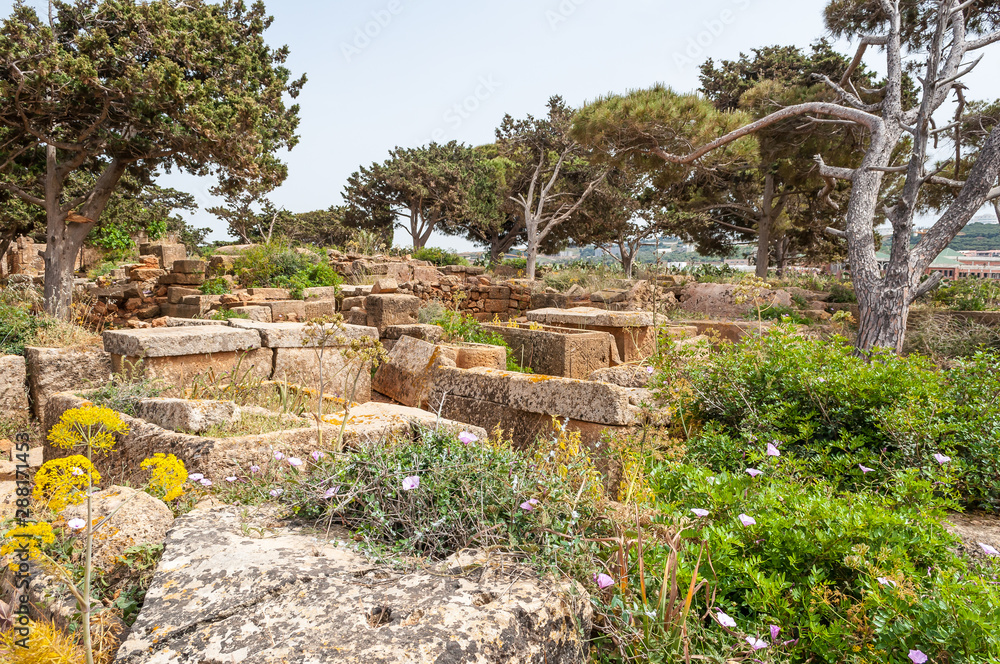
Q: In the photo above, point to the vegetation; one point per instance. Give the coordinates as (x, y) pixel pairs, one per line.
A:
(278, 265)
(439, 257)
(459, 327)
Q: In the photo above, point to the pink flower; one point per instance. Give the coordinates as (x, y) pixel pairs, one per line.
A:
(76, 524)
(650, 370)
(772, 450)
(206, 482)
(195, 477)
(410, 483)
(725, 620)
(885, 581)
(278, 456)
(254, 469)
(941, 459)
(755, 643)
(865, 469)
(698, 512)
(331, 492)
(467, 438)
(294, 461)
(775, 630)
(529, 505)
(988, 550)
(603, 581)
(917, 657)
(753, 472)
(231, 479)
(317, 455)
(747, 520)
(276, 492)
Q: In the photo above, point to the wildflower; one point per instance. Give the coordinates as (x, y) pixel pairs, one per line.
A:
(725, 620)
(93, 426)
(755, 643)
(865, 469)
(772, 450)
(317, 455)
(254, 469)
(529, 505)
(197, 477)
(75, 471)
(76, 524)
(168, 474)
(885, 581)
(231, 479)
(603, 581)
(747, 520)
(698, 512)
(467, 438)
(276, 492)
(650, 370)
(278, 456)
(410, 483)
(331, 492)
(775, 631)
(753, 472)
(29, 536)
(941, 459)
(989, 550)
(58, 486)
(205, 481)
(294, 461)
(917, 657)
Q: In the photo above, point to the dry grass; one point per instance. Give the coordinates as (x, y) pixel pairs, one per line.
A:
(251, 424)
(61, 334)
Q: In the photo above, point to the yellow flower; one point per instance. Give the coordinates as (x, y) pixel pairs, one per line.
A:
(31, 537)
(167, 475)
(63, 482)
(91, 425)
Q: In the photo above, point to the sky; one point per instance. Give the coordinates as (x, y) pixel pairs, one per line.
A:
(386, 73)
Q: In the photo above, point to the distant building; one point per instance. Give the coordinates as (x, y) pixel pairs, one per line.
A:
(958, 264)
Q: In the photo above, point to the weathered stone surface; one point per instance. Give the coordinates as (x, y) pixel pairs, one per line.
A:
(355, 302)
(319, 308)
(609, 296)
(176, 294)
(254, 313)
(549, 300)
(190, 267)
(555, 351)
(374, 421)
(392, 309)
(169, 321)
(167, 254)
(301, 366)
(286, 310)
(408, 375)
(586, 401)
(269, 293)
(719, 300)
(591, 316)
(141, 519)
(625, 375)
(193, 415)
(52, 370)
(13, 383)
(426, 274)
(431, 333)
(320, 293)
(385, 285)
(176, 341)
(467, 356)
(296, 335)
(221, 596)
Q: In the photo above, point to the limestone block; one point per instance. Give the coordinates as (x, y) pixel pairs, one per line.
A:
(287, 309)
(467, 356)
(301, 366)
(320, 308)
(255, 313)
(52, 370)
(427, 274)
(190, 266)
(431, 333)
(179, 341)
(320, 293)
(269, 293)
(193, 415)
(391, 309)
(384, 285)
(13, 382)
(176, 294)
(299, 335)
(408, 374)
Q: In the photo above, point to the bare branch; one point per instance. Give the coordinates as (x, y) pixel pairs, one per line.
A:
(977, 44)
(836, 232)
(868, 40)
(23, 195)
(926, 286)
(847, 96)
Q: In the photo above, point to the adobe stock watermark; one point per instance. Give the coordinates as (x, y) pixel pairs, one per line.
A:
(562, 13)
(461, 111)
(365, 34)
(713, 30)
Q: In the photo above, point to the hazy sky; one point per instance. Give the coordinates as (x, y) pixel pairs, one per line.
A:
(384, 73)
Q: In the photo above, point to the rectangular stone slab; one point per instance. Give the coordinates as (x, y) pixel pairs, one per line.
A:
(591, 316)
(294, 335)
(176, 341)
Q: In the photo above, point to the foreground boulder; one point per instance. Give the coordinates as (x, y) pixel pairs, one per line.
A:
(221, 595)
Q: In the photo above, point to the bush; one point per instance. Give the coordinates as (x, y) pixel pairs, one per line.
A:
(463, 327)
(846, 577)
(968, 294)
(216, 286)
(842, 293)
(18, 327)
(226, 314)
(276, 265)
(832, 411)
(439, 257)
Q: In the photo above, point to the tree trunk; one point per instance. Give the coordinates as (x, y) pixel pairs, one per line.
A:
(883, 319)
(532, 247)
(62, 245)
(763, 246)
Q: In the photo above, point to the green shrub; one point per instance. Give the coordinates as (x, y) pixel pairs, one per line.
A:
(18, 327)
(276, 265)
(216, 286)
(812, 563)
(842, 293)
(832, 411)
(122, 395)
(226, 314)
(778, 312)
(439, 257)
(968, 294)
(463, 327)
